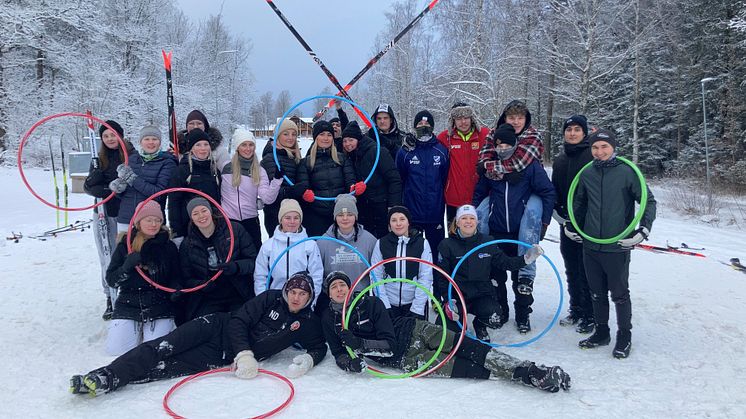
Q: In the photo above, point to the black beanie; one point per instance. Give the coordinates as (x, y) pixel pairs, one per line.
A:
(194, 136)
(322, 126)
(401, 209)
(603, 135)
(195, 114)
(505, 133)
(115, 125)
(576, 120)
(299, 280)
(352, 130)
(333, 276)
(424, 115)
(333, 120)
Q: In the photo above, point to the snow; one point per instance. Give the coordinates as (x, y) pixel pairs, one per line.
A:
(688, 357)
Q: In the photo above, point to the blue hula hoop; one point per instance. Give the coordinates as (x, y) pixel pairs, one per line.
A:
(525, 342)
(373, 125)
(287, 249)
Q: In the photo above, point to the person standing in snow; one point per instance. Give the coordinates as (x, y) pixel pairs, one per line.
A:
(339, 123)
(141, 311)
(110, 155)
(391, 136)
(576, 154)
(406, 342)
(261, 328)
(197, 120)
(604, 206)
(245, 183)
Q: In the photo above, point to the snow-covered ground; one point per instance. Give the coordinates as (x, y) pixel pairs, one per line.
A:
(688, 357)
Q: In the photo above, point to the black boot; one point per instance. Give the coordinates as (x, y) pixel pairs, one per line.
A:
(99, 381)
(623, 344)
(480, 330)
(523, 325)
(599, 338)
(550, 379)
(585, 325)
(570, 320)
(109, 310)
(77, 386)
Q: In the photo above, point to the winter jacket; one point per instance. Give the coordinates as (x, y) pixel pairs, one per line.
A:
(138, 300)
(195, 254)
(220, 151)
(474, 276)
(337, 257)
(424, 174)
(239, 202)
(343, 121)
(153, 176)
(290, 167)
(604, 203)
(399, 294)
(266, 326)
(508, 197)
(393, 139)
(530, 147)
(463, 153)
(566, 166)
(303, 257)
(97, 182)
(203, 176)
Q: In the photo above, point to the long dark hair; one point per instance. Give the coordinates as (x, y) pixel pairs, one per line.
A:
(103, 152)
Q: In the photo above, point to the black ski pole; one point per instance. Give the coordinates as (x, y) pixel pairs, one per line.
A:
(56, 186)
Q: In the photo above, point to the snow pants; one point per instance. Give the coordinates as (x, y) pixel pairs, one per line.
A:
(106, 228)
(251, 225)
(577, 283)
(609, 272)
(484, 308)
(522, 303)
(125, 334)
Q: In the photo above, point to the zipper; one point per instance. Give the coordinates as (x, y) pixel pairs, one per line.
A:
(507, 213)
(238, 196)
(400, 252)
(287, 263)
(601, 224)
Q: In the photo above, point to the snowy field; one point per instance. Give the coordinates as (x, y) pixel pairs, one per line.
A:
(688, 357)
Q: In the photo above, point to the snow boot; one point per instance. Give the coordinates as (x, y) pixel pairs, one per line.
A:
(550, 379)
(599, 338)
(585, 325)
(523, 325)
(623, 344)
(99, 381)
(571, 319)
(109, 310)
(525, 285)
(480, 330)
(77, 386)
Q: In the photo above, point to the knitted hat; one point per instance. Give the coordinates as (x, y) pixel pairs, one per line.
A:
(286, 125)
(580, 120)
(322, 126)
(424, 115)
(345, 203)
(505, 133)
(195, 114)
(402, 210)
(115, 125)
(150, 208)
(197, 202)
(240, 136)
(461, 110)
(194, 136)
(299, 280)
(150, 131)
(385, 108)
(466, 210)
(333, 276)
(333, 120)
(603, 135)
(289, 205)
(352, 130)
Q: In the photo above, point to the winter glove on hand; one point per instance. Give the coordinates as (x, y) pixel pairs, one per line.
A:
(571, 234)
(130, 179)
(451, 313)
(409, 142)
(639, 235)
(228, 268)
(559, 219)
(309, 196)
(245, 365)
(532, 254)
(279, 173)
(123, 170)
(118, 185)
(358, 188)
(543, 234)
(346, 363)
(349, 339)
(133, 259)
(301, 364)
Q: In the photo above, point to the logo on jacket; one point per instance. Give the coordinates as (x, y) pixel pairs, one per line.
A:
(475, 145)
(436, 160)
(484, 255)
(295, 326)
(455, 146)
(414, 160)
(342, 256)
(274, 315)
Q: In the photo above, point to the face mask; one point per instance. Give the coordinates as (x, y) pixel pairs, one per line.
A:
(504, 154)
(424, 132)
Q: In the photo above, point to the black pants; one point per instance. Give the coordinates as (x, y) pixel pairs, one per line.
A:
(316, 223)
(251, 225)
(270, 218)
(374, 217)
(434, 234)
(522, 303)
(193, 347)
(577, 283)
(485, 309)
(609, 272)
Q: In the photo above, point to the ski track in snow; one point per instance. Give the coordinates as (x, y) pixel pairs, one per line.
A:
(687, 357)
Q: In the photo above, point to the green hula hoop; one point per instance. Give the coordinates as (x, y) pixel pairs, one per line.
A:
(630, 227)
(438, 308)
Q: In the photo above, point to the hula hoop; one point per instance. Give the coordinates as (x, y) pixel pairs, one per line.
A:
(527, 341)
(287, 249)
(630, 227)
(353, 104)
(453, 351)
(163, 192)
(228, 369)
(49, 118)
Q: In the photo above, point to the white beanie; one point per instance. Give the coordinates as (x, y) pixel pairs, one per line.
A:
(240, 136)
(466, 210)
(289, 205)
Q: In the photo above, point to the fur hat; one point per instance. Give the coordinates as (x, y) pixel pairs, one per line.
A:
(150, 131)
(345, 203)
(426, 116)
(352, 130)
(299, 280)
(461, 110)
(333, 276)
(580, 120)
(603, 135)
(196, 202)
(240, 136)
(115, 125)
(196, 114)
(194, 136)
(322, 126)
(289, 205)
(150, 208)
(505, 133)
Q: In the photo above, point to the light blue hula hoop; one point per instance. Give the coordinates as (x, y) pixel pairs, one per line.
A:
(372, 124)
(287, 249)
(525, 342)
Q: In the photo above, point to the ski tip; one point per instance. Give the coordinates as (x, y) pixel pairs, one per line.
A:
(167, 59)
(432, 4)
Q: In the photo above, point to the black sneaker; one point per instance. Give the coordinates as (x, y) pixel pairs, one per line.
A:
(109, 310)
(585, 325)
(523, 325)
(599, 338)
(570, 320)
(525, 285)
(623, 344)
(480, 331)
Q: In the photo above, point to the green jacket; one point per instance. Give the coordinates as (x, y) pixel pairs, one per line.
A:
(604, 202)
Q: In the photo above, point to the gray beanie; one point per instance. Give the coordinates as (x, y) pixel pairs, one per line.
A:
(150, 131)
(196, 202)
(345, 203)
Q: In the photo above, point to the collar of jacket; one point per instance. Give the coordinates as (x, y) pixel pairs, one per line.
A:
(466, 137)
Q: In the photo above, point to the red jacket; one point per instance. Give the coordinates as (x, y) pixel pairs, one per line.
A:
(463, 155)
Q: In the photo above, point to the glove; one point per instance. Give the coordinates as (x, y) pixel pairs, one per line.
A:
(532, 254)
(130, 179)
(245, 365)
(118, 185)
(133, 259)
(452, 314)
(358, 188)
(349, 339)
(352, 365)
(124, 170)
(301, 364)
(409, 143)
(558, 218)
(228, 268)
(308, 196)
(176, 295)
(543, 234)
(639, 235)
(571, 234)
(279, 173)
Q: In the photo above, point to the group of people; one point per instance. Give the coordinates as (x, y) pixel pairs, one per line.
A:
(265, 296)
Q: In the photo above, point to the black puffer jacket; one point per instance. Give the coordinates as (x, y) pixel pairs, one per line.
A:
(227, 290)
(392, 140)
(385, 185)
(566, 166)
(290, 167)
(97, 182)
(203, 176)
(138, 300)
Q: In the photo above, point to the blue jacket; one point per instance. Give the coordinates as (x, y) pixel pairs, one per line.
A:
(153, 176)
(509, 195)
(424, 172)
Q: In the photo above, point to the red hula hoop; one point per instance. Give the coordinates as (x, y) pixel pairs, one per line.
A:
(228, 369)
(163, 192)
(55, 116)
(365, 273)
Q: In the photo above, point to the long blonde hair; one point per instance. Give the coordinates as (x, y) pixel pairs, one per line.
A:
(139, 240)
(312, 154)
(236, 170)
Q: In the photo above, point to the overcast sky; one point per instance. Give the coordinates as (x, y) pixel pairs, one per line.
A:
(341, 32)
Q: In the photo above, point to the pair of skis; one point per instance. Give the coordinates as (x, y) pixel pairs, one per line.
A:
(66, 192)
(76, 226)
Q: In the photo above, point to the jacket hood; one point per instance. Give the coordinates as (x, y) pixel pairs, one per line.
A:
(501, 120)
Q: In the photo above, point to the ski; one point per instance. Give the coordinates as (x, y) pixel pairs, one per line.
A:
(684, 246)
(56, 186)
(377, 57)
(661, 249)
(172, 131)
(66, 193)
(77, 226)
(99, 212)
(316, 59)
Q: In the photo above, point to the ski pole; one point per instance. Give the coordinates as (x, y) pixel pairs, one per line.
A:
(56, 187)
(64, 177)
(170, 101)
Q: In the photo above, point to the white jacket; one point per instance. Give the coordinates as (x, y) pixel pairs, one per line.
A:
(303, 257)
(400, 294)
